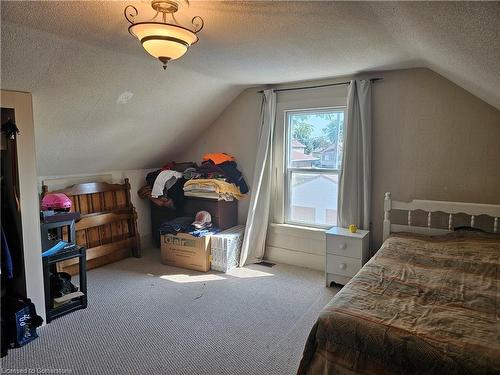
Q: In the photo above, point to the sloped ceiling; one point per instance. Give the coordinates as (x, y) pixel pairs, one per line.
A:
(79, 62)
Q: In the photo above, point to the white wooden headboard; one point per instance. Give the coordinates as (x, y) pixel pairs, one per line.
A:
(450, 208)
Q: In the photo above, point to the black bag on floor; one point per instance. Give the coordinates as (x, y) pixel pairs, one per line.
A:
(20, 321)
(60, 284)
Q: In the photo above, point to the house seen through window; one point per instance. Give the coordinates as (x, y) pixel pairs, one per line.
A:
(313, 162)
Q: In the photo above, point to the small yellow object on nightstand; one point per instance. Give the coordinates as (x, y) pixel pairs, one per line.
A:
(353, 228)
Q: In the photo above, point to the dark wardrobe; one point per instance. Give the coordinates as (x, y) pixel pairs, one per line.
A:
(13, 280)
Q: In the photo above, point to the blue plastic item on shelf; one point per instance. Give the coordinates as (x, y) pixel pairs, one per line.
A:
(55, 249)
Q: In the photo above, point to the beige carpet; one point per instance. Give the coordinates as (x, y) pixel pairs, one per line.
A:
(148, 318)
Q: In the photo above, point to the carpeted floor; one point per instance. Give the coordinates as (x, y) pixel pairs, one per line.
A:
(147, 318)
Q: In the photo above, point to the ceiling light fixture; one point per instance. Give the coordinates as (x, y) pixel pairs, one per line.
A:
(162, 40)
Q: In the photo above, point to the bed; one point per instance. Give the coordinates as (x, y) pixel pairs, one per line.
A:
(427, 303)
(108, 225)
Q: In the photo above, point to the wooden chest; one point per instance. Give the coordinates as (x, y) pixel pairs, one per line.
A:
(224, 214)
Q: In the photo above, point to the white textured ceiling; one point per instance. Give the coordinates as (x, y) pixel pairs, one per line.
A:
(77, 58)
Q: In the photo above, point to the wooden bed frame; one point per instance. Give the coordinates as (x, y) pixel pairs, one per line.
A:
(451, 208)
(108, 224)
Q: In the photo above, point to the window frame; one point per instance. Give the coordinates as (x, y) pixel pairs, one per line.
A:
(288, 171)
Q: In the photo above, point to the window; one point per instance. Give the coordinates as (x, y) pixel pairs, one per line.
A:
(314, 140)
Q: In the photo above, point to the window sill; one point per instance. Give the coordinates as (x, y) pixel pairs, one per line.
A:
(298, 227)
(298, 231)
(283, 231)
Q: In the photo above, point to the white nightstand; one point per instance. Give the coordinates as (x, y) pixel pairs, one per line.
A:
(346, 253)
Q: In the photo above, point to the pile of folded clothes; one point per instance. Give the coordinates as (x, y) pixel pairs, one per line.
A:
(212, 188)
(218, 178)
(164, 186)
(201, 226)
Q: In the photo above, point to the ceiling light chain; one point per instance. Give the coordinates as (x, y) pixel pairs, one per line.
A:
(162, 40)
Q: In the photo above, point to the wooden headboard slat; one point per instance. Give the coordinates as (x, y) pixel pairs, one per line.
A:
(450, 208)
(88, 188)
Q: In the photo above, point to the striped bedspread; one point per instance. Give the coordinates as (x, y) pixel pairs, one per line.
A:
(421, 305)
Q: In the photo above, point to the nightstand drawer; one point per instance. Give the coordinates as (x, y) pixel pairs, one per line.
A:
(344, 246)
(342, 265)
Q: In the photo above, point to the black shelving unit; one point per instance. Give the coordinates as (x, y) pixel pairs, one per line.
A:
(49, 266)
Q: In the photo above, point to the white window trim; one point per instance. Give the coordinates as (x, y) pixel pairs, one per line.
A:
(288, 171)
(281, 157)
(330, 97)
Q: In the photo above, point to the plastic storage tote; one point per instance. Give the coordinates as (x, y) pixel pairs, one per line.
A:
(226, 247)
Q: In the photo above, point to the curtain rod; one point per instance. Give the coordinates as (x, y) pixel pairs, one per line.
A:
(317, 86)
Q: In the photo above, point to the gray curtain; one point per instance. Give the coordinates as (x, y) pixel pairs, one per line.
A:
(355, 176)
(254, 242)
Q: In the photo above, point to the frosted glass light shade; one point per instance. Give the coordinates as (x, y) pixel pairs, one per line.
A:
(164, 48)
(163, 41)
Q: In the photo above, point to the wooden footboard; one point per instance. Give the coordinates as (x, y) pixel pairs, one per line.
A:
(108, 225)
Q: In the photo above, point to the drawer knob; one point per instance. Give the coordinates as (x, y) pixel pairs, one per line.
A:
(342, 266)
(342, 246)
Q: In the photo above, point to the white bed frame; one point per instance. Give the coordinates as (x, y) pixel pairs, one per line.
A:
(450, 208)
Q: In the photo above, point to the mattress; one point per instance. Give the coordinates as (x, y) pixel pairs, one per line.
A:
(421, 305)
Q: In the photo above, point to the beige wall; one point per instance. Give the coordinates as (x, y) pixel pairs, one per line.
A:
(431, 140)
(234, 132)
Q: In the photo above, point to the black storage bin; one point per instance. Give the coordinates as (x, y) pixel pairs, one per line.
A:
(159, 215)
